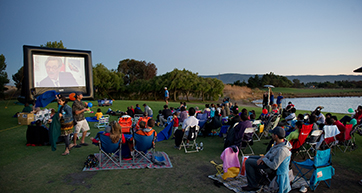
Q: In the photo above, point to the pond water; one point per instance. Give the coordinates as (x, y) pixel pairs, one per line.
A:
(330, 104)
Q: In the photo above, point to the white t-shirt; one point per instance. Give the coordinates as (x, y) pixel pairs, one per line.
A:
(190, 121)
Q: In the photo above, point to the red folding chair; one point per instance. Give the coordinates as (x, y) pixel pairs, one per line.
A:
(297, 145)
(346, 142)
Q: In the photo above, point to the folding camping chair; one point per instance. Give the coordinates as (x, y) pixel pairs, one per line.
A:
(256, 124)
(297, 145)
(321, 167)
(330, 133)
(102, 122)
(312, 144)
(248, 131)
(270, 125)
(141, 144)
(348, 142)
(190, 135)
(126, 124)
(112, 151)
(145, 119)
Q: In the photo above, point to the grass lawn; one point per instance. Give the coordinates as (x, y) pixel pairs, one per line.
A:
(38, 169)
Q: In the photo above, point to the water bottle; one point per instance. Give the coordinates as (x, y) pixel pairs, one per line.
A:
(201, 146)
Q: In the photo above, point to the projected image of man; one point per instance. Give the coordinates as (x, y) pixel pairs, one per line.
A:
(55, 77)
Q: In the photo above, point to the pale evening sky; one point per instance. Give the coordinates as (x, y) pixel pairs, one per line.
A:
(209, 37)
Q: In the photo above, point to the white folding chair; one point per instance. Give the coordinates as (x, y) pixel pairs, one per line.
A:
(190, 135)
(102, 122)
(312, 145)
(249, 130)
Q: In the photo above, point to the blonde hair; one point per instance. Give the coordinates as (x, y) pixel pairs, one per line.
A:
(116, 133)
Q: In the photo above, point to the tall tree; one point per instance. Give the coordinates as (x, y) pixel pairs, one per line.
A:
(107, 82)
(134, 70)
(3, 76)
(18, 78)
(54, 44)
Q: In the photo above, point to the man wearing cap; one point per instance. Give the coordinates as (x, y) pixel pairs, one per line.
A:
(148, 110)
(82, 124)
(167, 95)
(272, 159)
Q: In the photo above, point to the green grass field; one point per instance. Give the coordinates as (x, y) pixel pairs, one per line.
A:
(38, 169)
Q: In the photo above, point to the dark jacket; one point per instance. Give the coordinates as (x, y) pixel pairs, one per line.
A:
(166, 113)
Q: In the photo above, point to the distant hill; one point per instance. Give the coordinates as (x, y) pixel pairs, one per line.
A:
(231, 78)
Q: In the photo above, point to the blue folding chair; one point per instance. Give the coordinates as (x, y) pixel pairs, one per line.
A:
(142, 143)
(110, 150)
(323, 171)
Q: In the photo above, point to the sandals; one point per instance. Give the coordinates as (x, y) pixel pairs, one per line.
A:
(64, 154)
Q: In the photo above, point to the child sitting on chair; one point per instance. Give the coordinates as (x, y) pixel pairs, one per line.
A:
(147, 131)
(99, 114)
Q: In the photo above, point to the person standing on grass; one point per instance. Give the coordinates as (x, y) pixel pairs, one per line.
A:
(167, 95)
(82, 124)
(66, 123)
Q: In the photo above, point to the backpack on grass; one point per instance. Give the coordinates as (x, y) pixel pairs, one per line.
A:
(91, 161)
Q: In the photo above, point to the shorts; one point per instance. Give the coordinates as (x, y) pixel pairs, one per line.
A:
(81, 126)
(166, 98)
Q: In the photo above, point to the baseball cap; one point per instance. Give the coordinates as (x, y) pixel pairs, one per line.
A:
(278, 131)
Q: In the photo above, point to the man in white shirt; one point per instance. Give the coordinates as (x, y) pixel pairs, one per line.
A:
(190, 121)
(321, 119)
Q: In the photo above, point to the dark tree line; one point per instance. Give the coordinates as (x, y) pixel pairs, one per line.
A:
(266, 79)
(282, 81)
(145, 85)
(336, 84)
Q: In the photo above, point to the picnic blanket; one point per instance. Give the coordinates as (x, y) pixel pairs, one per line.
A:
(236, 184)
(91, 119)
(127, 164)
(165, 133)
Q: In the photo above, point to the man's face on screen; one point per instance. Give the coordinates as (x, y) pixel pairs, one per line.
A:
(53, 69)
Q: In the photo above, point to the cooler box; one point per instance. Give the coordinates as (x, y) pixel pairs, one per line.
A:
(25, 118)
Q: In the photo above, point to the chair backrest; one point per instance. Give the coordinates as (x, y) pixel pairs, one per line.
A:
(145, 119)
(126, 124)
(256, 122)
(347, 132)
(249, 130)
(316, 133)
(138, 115)
(107, 145)
(330, 131)
(143, 142)
(191, 132)
(323, 158)
(303, 134)
(275, 124)
(103, 120)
